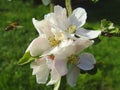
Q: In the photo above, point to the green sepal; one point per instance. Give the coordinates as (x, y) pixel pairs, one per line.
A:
(57, 85)
(26, 59)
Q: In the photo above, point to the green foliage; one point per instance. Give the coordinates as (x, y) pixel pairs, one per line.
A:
(109, 29)
(106, 25)
(13, 44)
(26, 59)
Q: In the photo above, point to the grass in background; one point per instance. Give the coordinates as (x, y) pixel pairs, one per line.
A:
(13, 44)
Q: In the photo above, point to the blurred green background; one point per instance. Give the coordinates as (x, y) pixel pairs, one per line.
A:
(13, 44)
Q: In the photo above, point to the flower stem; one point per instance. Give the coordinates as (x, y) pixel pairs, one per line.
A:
(63, 83)
(68, 6)
(51, 6)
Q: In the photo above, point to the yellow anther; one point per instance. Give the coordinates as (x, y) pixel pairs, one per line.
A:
(72, 59)
(71, 29)
(53, 42)
(59, 36)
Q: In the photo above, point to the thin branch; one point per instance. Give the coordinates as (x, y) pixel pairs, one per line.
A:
(68, 6)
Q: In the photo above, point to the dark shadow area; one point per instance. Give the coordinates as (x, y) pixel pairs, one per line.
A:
(108, 9)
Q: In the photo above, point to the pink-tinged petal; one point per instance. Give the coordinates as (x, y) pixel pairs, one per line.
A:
(82, 43)
(43, 26)
(41, 70)
(55, 77)
(61, 65)
(90, 34)
(38, 46)
(78, 17)
(86, 61)
(72, 75)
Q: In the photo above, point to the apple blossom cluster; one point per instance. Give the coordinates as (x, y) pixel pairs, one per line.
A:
(58, 47)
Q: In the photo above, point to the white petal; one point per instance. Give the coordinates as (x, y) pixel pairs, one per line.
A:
(72, 75)
(61, 65)
(59, 62)
(38, 46)
(78, 17)
(58, 18)
(59, 10)
(41, 70)
(61, 16)
(65, 48)
(43, 26)
(49, 62)
(82, 43)
(86, 61)
(90, 34)
(55, 77)
(66, 43)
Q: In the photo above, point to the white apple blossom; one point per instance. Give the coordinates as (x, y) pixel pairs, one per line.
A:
(48, 38)
(55, 46)
(85, 62)
(61, 54)
(42, 68)
(58, 62)
(73, 23)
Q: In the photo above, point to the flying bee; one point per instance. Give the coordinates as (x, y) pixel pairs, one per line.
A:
(12, 26)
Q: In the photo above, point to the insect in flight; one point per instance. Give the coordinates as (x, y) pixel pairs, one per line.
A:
(12, 26)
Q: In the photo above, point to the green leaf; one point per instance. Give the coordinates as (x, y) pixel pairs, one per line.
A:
(26, 59)
(45, 2)
(109, 29)
(57, 85)
(107, 25)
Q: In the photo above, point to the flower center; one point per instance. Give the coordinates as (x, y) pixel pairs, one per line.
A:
(73, 59)
(71, 29)
(53, 42)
